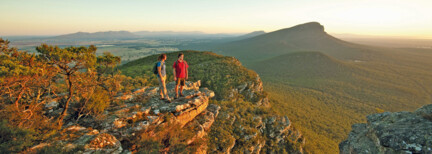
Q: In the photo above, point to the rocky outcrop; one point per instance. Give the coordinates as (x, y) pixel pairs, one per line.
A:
(399, 132)
(141, 111)
(252, 91)
(261, 133)
(278, 132)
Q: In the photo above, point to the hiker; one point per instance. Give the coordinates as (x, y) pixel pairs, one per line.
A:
(180, 71)
(161, 74)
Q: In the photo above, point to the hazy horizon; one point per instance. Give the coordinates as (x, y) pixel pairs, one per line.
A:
(375, 18)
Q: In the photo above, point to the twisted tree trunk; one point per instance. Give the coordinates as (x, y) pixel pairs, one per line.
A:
(64, 112)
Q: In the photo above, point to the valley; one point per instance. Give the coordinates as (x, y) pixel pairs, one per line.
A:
(326, 84)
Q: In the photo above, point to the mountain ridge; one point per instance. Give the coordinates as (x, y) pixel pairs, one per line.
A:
(304, 37)
(338, 83)
(105, 35)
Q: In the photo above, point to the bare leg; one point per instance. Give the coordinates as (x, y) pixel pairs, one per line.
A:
(176, 89)
(181, 90)
(161, 88)
(165, 90)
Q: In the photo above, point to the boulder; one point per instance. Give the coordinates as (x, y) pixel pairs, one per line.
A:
(399, 132)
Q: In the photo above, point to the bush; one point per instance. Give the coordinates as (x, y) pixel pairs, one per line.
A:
(98, 102)
(58, 148)
(14, 140)
(149, 147)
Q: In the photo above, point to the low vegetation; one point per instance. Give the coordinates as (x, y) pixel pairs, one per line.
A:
(82, 83)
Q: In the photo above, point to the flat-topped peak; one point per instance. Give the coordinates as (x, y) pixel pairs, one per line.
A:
(310, 26)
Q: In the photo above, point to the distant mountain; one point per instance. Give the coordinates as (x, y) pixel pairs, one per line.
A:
(167, 33)
(186, 34)
(302, 65)
(108, 35)
(249, 35)
(304, 37)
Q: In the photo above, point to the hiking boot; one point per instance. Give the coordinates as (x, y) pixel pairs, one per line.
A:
(181, 95)
(168, 100)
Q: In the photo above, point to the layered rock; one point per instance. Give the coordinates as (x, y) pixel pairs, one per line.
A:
(399, 132)
(262, 133)
(252, 91)
(142, 110)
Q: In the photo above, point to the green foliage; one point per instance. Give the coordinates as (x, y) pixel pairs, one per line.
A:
(58, 148)
(14, 140)
(29, 81)
(149, 147)
(69, 59)
(107, 62)
(25, 83)
(74, 63)
(98, 102)
(13, 62)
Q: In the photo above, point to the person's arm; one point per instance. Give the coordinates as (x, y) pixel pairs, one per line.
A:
(159, 68)
(187, 66)
(174, 72)
(159, 71)
(175, 76)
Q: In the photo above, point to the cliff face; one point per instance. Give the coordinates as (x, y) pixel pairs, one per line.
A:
(251, 91)
(142, 114)
(399, 132)
(255, 133)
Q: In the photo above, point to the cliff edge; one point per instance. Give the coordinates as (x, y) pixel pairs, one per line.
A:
(399, 132)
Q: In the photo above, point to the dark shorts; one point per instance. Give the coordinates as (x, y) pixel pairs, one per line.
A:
(180, 81)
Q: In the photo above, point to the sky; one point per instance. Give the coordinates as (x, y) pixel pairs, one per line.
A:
(405, 18)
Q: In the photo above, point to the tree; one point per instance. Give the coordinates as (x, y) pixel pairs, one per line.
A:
(73, 63)
(24, 83)
(106, 63)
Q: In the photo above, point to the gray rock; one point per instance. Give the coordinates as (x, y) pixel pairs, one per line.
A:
(399, 132)
(425, 111)
(52, 104)
(123, 122)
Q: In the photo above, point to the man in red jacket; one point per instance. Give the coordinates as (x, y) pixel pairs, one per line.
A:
(180, 71)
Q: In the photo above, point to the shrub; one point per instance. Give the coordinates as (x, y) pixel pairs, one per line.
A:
(14, 139)
(98, 102)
